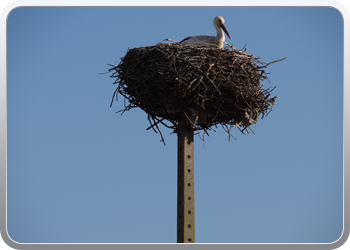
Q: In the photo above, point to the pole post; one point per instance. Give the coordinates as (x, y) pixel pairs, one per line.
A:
(185, 184)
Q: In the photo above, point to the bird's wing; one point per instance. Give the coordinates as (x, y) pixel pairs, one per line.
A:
(197, 40)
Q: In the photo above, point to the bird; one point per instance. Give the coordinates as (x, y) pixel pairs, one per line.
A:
(219, 39)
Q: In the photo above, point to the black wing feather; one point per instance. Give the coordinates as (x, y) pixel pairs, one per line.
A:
(186, 39)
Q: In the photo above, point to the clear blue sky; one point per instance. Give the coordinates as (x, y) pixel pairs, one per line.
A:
(78, 172)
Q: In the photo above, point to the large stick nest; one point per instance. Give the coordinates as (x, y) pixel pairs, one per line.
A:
(203, 83)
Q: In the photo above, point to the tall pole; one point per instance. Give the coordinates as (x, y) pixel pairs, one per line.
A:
(185, 184)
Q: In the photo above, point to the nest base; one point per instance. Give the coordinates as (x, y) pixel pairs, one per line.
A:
(206, 84)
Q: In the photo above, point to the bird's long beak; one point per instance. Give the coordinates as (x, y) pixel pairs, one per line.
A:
(225, 30)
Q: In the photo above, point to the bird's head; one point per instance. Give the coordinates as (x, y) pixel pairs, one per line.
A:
(220, 22)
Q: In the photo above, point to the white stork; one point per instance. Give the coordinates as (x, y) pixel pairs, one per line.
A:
(219, 39)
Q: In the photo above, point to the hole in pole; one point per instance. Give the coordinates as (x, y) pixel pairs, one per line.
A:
(188, 156)
(189, 226)
(189, 212)
(189, 184)
(189, 239)
(189, 198)
(188, 170)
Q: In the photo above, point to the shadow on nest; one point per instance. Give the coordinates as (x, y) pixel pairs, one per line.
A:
(205, 84)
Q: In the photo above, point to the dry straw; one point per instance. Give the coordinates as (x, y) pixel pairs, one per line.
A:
(205, 84)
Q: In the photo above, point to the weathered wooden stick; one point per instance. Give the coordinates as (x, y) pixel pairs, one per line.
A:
(185, 184)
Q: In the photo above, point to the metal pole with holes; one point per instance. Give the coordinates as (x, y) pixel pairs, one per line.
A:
(185, 184)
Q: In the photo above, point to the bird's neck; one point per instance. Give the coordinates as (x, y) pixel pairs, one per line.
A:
(219, 34)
